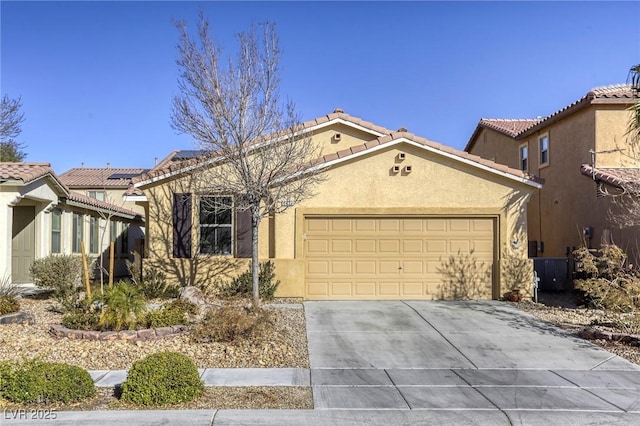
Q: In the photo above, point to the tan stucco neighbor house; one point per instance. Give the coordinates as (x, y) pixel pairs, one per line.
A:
(392, 208)
(575, 151)
(40, 216)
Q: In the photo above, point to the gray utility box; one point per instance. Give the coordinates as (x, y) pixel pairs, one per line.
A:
(555, 273)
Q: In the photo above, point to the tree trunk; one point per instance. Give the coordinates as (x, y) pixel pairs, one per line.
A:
(255, 270)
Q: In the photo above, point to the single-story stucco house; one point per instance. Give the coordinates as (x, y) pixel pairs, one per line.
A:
(392, 209)
(40, 216)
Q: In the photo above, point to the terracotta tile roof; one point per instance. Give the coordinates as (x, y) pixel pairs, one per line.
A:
(628, 178)
(519, 128)
(28, 172)
(169, 165)
(108, 177)
(102, 205)
(510, 127)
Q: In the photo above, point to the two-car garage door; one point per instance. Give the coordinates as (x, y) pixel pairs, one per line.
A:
(389, 257)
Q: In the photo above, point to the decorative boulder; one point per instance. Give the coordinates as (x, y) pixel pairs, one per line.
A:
(193, 295)
(18, 318)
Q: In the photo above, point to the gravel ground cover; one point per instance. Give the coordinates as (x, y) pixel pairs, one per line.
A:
(563, 310)
(286, 346)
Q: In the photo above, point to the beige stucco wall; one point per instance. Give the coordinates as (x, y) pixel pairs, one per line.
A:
(567, 203)
(364, 185)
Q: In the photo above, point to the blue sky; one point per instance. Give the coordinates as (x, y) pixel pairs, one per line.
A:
(97, 78)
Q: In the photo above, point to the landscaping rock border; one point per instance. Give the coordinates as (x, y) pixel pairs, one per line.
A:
(60, 331)
(591, 333)
(18, 318)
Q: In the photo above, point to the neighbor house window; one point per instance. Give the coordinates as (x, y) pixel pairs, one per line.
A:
(113, 233)
(56, 230)
(524, 157)
(94, 234)
(124, 239)
(215, 225)
(98, 195)
(543, 141)
(78, 233)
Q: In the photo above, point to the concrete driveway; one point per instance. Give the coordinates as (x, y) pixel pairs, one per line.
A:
(465, 357)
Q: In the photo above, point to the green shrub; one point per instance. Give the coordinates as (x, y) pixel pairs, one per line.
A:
(123, 307)
(153, 283)
(229, 323)
(8, 305)
(62, 274)
(45, 382)
(174, 313)
(242, 285)
(607, 280)
(81, 319)
(162, 378)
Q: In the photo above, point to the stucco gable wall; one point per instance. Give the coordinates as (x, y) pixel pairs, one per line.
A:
(611, 124)
(497, 147)
(325, 138)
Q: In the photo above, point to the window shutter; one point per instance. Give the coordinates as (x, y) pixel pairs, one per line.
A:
(182, 225)
(243, 233)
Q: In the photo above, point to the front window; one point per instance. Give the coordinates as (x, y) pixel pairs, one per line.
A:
(94, 234)
(78, 233)
(98, 195)
(56, 230)
(524, 157)
(216, 225)
(544, 149)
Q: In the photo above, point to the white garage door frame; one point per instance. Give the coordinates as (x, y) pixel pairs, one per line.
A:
(494, 216)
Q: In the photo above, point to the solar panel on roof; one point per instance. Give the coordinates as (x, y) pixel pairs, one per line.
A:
(187, 154)
(126, 175)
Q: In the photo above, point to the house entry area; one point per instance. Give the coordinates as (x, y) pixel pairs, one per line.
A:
(22, 242)
(386, 257)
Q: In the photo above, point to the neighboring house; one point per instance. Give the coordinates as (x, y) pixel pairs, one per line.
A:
(563, 150)
(105, 184)
(392, 209)
(42, 216)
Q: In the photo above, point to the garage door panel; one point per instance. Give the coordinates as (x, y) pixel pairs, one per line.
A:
(389, 266)
(389, 289)
(388, 258)
(341, 246)
(412, 247)
(317, 247)
(365, 289)
(317, 267)
(365, 225)
(341, 267)
(364, 267)
(389, 246)
(365, 246)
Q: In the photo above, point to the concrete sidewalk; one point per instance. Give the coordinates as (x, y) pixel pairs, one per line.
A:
(395, 363)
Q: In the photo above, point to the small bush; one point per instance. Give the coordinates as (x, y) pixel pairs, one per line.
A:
(45, 382)
(8, 305)
(607, 280)
(173, 313)
(153, 283)
(62, 274)
(229, 323)
(123, 307)
(162, 378)
(81, 319)
(242, 285)
(464, 277)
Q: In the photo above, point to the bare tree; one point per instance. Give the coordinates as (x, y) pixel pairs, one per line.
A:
(256, 150)
(10, 119)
